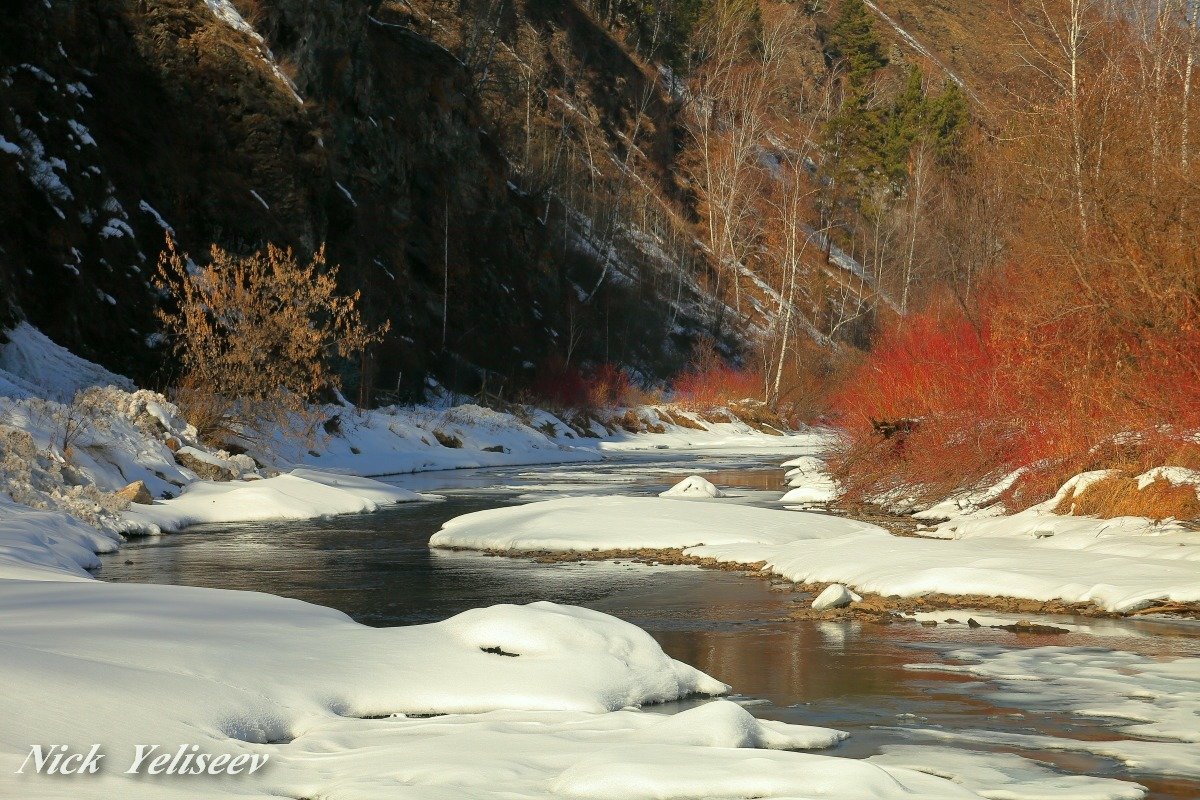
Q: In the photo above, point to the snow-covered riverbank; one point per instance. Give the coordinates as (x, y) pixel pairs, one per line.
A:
(72, 434)
(532, 701)
(1119, 568)
(528, 701)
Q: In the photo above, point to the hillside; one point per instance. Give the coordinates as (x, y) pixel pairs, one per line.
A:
(326, 123)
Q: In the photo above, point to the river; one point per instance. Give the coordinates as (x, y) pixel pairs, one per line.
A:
(378, 569)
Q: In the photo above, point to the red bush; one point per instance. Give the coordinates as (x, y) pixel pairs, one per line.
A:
(1030, 384)
(561, 385)
(715, 386)
(608, 386)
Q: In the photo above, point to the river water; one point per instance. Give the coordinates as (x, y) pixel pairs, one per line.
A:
(378, 569)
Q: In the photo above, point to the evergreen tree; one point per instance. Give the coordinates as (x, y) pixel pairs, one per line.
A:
(947, 121)
(853, 44)
(908, 121)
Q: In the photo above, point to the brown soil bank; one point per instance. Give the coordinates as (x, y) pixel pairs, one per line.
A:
(883, 609)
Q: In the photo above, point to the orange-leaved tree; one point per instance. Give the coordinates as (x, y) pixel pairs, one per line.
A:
(256, 337)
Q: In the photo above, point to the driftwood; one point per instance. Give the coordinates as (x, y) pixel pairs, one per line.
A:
(888, 428)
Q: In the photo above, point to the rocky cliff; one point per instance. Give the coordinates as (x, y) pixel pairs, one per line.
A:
(354, 124)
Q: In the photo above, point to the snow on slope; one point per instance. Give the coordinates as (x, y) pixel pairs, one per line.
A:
(402, 439)
(1114, 566)
(31, 365)
(71, 433)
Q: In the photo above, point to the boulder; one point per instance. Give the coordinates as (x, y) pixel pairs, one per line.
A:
(136, 492)
(203, 467)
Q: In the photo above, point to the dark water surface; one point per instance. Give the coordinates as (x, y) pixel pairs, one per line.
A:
(378, 569)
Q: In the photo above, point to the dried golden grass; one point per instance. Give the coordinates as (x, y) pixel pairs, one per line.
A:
(674, 417)
(1119, 496)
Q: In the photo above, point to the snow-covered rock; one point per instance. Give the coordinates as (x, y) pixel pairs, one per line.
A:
(834, 596)
(810, 481)
(694, 487)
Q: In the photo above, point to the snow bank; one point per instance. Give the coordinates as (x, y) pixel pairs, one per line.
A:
(627, 523)
(45, 545)
(1005, 776)
(1114, 566)
(693, 487)
(699, 433)
(302, 494)
(402, 439)
(529, 701)
(810, 481)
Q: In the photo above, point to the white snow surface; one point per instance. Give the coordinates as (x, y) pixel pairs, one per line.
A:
(300, 494)
(810, 481)
(1005, 776)
(31, 365)
(1113, 564)
(532, 701)
(402, 439)
(693, 486)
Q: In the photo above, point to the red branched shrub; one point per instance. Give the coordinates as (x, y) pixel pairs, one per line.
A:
(715, 386)
(561, 385)
(608, 386)
(1024, 386)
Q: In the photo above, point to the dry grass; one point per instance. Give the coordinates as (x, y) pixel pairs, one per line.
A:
(678, 419)
(1119, 496)
(633, 422)
(447, 439)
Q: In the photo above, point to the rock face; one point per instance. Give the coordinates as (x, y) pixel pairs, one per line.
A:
(136, 492)
(834, 596)
(302, 122)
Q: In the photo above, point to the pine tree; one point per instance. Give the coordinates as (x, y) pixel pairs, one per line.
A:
(947, 121)
(908, 121)
(853, 44)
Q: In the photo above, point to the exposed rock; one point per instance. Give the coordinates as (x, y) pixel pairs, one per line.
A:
(136, 492)
(496, 448)
(185, 457)
(173, 444)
